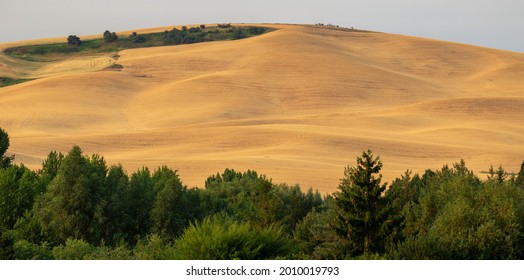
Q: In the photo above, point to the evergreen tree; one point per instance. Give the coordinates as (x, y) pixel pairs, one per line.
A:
(520, 176)
(362, 215)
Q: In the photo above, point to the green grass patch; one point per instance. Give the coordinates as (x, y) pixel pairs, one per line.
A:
(53, 52)
(5, 81)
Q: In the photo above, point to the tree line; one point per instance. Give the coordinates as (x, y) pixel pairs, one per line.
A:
(77, 207)
(113, 42)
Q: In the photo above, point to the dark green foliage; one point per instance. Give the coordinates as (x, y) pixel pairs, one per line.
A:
(6, 81)
(112, 43)
(173, 208)
(255, 30)
(418, 248)
(74, 40)
(73, 250)
(250, 197)
(140, 199)
(110, 37)
(19, 187)
(223, 238)
(520, 177)
(136, 38)
(69, 208)
(316, 236)
(113, 206)
(224, 25)
(498, 175)
(456, 216)
(7, 251)
(50, 167)
(25, 250)
(5, 161)
(75, 207)
(245, 195)
(402, 192)
(362, 215)
(238, 33)
(174, 36)
(194, 29)
(289, 205)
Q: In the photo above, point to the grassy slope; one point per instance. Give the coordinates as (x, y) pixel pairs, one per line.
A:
(297, 104)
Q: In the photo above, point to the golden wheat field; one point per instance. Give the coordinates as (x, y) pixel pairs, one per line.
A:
(298, 104)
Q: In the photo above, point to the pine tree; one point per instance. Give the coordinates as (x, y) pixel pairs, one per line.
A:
(520, 176)
(362, 214)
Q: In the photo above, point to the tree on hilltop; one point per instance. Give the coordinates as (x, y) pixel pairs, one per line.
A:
(110, 37)
(74, 40)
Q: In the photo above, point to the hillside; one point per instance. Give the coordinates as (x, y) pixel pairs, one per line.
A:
(297, 104)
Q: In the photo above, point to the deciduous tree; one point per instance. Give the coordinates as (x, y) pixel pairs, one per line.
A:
(5, 161)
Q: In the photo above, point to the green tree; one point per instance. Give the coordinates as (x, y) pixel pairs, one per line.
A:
(456, 216)
(70, 206)
(19, 187)
(5, 161)
(520, 176)
(289, 205)
(110, 37)
(316, 236)
(245, 196)
(114, 206)
(172, 210)
(50, 167)
(139, 201)
(362, 213)
(74, 40)
(498, 175)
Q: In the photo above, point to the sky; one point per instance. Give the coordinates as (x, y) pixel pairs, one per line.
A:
(496, 24)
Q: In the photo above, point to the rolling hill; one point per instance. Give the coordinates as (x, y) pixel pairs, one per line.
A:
(297, 104)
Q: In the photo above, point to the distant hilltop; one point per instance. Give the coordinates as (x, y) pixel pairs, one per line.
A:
(296, 102)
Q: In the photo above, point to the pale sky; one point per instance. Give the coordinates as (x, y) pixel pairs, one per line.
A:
(497, 24)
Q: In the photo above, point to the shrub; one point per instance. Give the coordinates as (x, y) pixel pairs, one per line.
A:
(25, 250)
(138, 38)
(194, 29)
(222, 238)
(74, 249)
